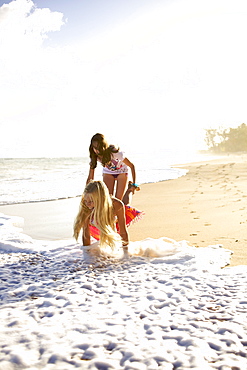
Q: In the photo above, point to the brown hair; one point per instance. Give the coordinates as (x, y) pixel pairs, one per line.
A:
(105, 151)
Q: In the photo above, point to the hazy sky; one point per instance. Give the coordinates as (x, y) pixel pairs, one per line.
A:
(146, 73)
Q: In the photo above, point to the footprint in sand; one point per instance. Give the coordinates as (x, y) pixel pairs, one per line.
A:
(207, 224)
(193, 234)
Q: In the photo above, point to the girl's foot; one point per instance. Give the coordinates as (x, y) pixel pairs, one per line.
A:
(128, 194)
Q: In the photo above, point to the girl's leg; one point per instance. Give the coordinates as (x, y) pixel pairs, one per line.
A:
(109, 180)
(121, 185)
(127, 198)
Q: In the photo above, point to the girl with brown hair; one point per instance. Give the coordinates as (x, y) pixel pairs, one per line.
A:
(115, 167)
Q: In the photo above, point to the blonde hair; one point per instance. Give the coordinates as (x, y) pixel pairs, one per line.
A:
(102, 214)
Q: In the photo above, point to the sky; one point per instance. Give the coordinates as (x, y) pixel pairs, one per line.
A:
(148, 74)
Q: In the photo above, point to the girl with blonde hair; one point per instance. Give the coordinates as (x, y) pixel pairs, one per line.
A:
(104, 217)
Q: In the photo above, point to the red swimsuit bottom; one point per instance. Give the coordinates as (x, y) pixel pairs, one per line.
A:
(131, 215)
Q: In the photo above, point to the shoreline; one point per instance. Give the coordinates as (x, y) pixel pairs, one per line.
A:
(204, 207)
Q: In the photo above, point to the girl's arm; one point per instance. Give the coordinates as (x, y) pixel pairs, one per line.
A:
(90, 175)
(86, 239)
(119, 210)
(133, 171)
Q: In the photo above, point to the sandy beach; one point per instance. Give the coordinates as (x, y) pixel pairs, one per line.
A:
(163, 305)
(207, 206)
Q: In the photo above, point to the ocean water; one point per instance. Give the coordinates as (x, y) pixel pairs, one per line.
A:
(24, 180)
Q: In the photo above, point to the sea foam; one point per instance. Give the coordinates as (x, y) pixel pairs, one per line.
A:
(164, 305)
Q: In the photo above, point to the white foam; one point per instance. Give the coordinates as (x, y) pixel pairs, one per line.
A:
(163, 305)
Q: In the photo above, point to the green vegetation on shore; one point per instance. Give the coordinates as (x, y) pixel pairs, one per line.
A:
(227, 140)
